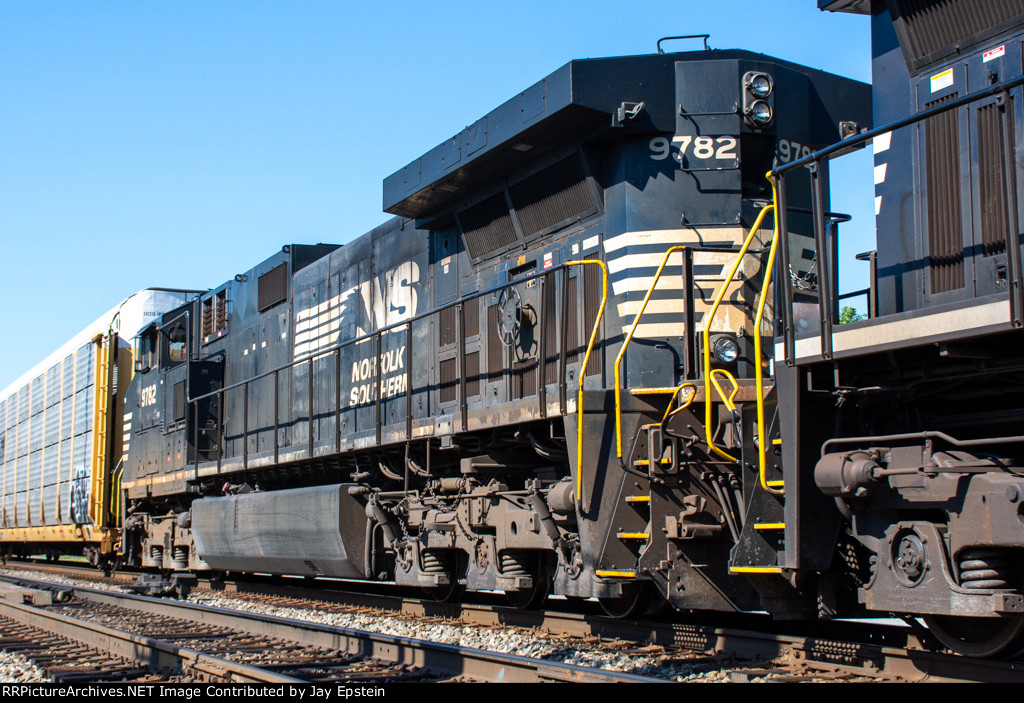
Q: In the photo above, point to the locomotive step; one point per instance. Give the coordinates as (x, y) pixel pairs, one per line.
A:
(616, 574)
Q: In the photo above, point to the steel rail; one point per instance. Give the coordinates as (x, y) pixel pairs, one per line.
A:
(884, 650)
(154, 654)
(446, 659)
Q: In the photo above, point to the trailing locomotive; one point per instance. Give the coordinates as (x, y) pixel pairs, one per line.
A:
(901, 446)
(535, 378)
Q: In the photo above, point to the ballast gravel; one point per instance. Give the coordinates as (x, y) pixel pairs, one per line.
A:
(588, 652)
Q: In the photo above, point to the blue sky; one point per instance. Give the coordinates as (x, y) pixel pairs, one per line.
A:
(178, 143)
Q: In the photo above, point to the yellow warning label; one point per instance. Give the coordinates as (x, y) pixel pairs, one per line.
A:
(942, 80)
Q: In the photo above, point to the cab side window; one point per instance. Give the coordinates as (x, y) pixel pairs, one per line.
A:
(146, 356)
(175, 344)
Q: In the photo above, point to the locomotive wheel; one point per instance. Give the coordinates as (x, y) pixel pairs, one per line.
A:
(452, 593)
(978, 637)
(631, 603)
(534, 597)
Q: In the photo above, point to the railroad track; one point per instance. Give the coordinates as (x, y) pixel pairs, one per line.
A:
(174, 640)
(673, 650)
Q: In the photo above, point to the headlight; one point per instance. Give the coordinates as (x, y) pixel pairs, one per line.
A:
(758, 99)
(760, 112)
(725, 348)
(759, 85)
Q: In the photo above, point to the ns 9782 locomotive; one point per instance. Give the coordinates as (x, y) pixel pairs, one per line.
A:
(537, 378)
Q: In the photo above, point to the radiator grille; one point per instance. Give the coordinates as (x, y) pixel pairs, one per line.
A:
(991, 183)
(933, 25)
(487, 226)
(945, 237)
(558, 193)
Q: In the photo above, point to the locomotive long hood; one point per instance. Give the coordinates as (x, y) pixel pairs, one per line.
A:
(580, 96)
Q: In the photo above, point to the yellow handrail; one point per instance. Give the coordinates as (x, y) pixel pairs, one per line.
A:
(708, 379)
(669, 412)
(730, 401)
(583, 370)
(625, 344)
(762, 439)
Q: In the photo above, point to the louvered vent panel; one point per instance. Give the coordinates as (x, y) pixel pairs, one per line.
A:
(449, 379)
(945, 236)
(273, 287)
(471, 317)
(472, 374)
(991, 183)
(932, 25)
(572, 333)
(524, 378)
(487, 226)
(446, 321)
(495, 349)
(592, 289)
(551, 336)
(557, 193)
(221, 320)
(207, 322)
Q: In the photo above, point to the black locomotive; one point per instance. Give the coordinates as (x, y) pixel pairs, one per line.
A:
(596, 354)
(468, 396)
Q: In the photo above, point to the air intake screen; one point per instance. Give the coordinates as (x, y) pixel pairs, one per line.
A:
(556, 194)
(945, 235)
(930, 26)
(487, 226)
(273, 287)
